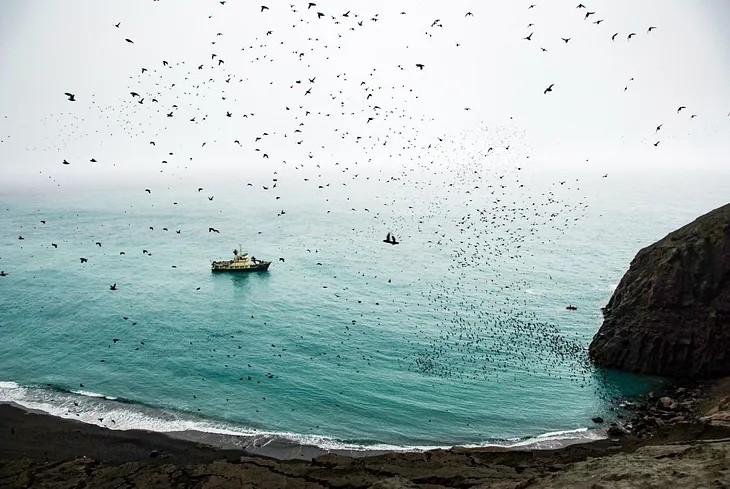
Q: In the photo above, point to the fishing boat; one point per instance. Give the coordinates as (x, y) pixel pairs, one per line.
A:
(241, 263)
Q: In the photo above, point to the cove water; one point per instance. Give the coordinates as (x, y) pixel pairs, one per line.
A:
(457, 335)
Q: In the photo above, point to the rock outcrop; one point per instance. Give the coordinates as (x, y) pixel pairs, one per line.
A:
(670, 314)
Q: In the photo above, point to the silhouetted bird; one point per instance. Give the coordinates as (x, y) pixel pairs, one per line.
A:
(71, 96)
(83, 260)
(113, 287)
(549, 89)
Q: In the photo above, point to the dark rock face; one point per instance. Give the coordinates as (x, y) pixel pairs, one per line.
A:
(670, 314)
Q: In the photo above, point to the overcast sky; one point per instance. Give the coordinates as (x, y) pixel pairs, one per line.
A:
(480, 62)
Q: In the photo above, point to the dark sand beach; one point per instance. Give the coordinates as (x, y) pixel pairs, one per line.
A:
(687, 445)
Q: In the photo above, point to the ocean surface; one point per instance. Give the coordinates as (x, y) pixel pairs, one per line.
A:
(457, 335)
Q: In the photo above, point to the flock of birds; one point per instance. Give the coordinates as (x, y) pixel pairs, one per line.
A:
(464, 196)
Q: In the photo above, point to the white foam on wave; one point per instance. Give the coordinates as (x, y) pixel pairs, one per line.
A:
(101, 410)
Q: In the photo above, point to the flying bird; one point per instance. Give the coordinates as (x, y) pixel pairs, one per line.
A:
(529, 38)
(549, 89)
(630, 36)
(650, 29)
(680, 109)
(71, 97)
(129, 41)
(420, 65)
(566, 40)
(264, 7)
(613, 38)
(113, 287)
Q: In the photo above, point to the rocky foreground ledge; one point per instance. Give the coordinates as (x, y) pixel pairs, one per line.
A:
(679, 437)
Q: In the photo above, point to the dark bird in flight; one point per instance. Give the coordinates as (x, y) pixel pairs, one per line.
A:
(281, 260)
(566, 40)
(54, 245)
(66, 162)
(598, 21)
(680, 109)
(148, 191)
(311, 4)
(630, 36)
(650, 29)
(549, 89)
(213, 230)
(588, 14)
(264, 7)
(693, 116)
(469, 14)
(3, 274)
(71, 97)
(98, 244)
(200, 189)
(658, 128)
(92, 160)
(657, 143)
(164, 63)
(320, 15)
(613, 38)
(228, 114)
(211, 198)
(420, 65)
(117, 25)
(113, 287)
(134, 94)
(129, 41)
(580, 5)
(152, 143)
(83, 260)
(529, 38)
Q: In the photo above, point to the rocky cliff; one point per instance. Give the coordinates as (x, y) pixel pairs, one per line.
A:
(670, 314)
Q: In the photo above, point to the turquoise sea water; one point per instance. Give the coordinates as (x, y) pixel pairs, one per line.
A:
(458, 335)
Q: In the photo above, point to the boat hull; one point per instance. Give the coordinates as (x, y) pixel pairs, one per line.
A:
(228, 267)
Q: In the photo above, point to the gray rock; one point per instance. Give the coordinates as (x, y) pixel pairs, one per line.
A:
(670, 314)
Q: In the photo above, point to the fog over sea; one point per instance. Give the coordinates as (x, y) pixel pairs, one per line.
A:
(316, 137)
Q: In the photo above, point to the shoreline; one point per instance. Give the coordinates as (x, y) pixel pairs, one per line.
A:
(274, 446)
(654, 442)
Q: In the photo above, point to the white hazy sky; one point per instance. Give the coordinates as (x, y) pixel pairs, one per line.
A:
(49, 47)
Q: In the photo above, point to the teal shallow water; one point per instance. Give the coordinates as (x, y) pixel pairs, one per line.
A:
(459, 335)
